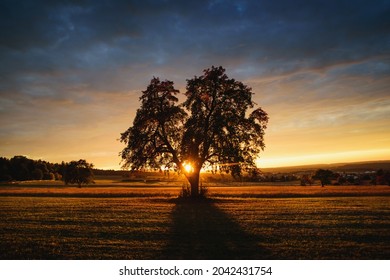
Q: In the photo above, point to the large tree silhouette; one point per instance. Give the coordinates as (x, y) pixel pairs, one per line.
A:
(212, 126)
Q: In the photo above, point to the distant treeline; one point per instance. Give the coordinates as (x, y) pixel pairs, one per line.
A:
(101, 172)
(21, 168)
(336, 167)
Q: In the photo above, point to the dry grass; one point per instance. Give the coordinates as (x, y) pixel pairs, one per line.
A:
(82, 228)
(316, 228)
(121, 221)
(120, 189)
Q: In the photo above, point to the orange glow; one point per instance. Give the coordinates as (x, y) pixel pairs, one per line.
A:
(279, 160)
(188, 167)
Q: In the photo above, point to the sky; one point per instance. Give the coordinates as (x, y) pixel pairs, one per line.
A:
(72, 72)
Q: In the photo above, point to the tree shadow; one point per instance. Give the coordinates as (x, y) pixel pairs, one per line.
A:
(200, 230)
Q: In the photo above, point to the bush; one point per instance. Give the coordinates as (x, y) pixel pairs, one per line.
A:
(37, 174)
(49, 176)
(185, 191)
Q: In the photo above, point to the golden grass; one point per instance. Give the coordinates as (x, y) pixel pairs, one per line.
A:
(317, 227)
(82, 228)
(251, 222)
(104, 188)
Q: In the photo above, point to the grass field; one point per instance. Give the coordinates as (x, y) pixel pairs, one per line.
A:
(130, 221)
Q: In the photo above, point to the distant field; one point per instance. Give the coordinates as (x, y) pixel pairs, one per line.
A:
(130, 221)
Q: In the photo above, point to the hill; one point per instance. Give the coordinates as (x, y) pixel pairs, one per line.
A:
(339, 167)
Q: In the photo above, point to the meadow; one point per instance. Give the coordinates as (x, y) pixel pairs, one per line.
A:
(145, 220)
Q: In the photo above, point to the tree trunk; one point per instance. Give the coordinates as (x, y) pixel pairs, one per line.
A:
(194, 182)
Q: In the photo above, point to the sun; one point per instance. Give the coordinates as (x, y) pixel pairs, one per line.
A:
(188, 167)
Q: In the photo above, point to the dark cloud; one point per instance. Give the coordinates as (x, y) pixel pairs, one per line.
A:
(75, 54)
(93, 43)
(279, 36)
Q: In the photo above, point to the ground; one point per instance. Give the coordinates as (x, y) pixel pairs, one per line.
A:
(130, 220)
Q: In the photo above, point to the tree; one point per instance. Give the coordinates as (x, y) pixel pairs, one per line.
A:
(306, 180)
(324, 175)
(5, 173)
(21, 168)
(37, 174)
(212, 126)
(78, 172)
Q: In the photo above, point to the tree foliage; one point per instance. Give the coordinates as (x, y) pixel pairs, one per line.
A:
(154, 138)
(78, 172)
(212, 126)
(324, 175)
(21, 168)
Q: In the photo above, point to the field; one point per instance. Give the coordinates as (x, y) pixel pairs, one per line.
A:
(113, 220)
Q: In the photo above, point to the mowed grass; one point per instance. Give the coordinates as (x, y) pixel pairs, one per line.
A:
(146, 222)
(316, 228)
(82, 228)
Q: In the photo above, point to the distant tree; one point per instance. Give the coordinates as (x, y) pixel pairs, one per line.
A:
(255, 174)
(324, 175)
(212, 126)
(43, 166)
(37, 174)
(51, 176)
(386, 177)
(341, 180)
(78, 172)
(380, 178)
(57, 176)
(21, 168)
(306, 180)
(5, 173)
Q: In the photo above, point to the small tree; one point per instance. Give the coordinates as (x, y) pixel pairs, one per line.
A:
(306, 180)
(78, 172)
(324, 175)
(212, 126)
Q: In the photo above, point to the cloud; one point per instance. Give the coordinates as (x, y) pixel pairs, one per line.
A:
(72, 64)
(278, 31)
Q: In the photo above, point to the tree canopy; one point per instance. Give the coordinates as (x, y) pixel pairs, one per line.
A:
(78, 172)
(212, 126)
(324, 175)
(21, 168)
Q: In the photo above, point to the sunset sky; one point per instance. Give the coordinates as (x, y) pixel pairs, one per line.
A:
(71, 72)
